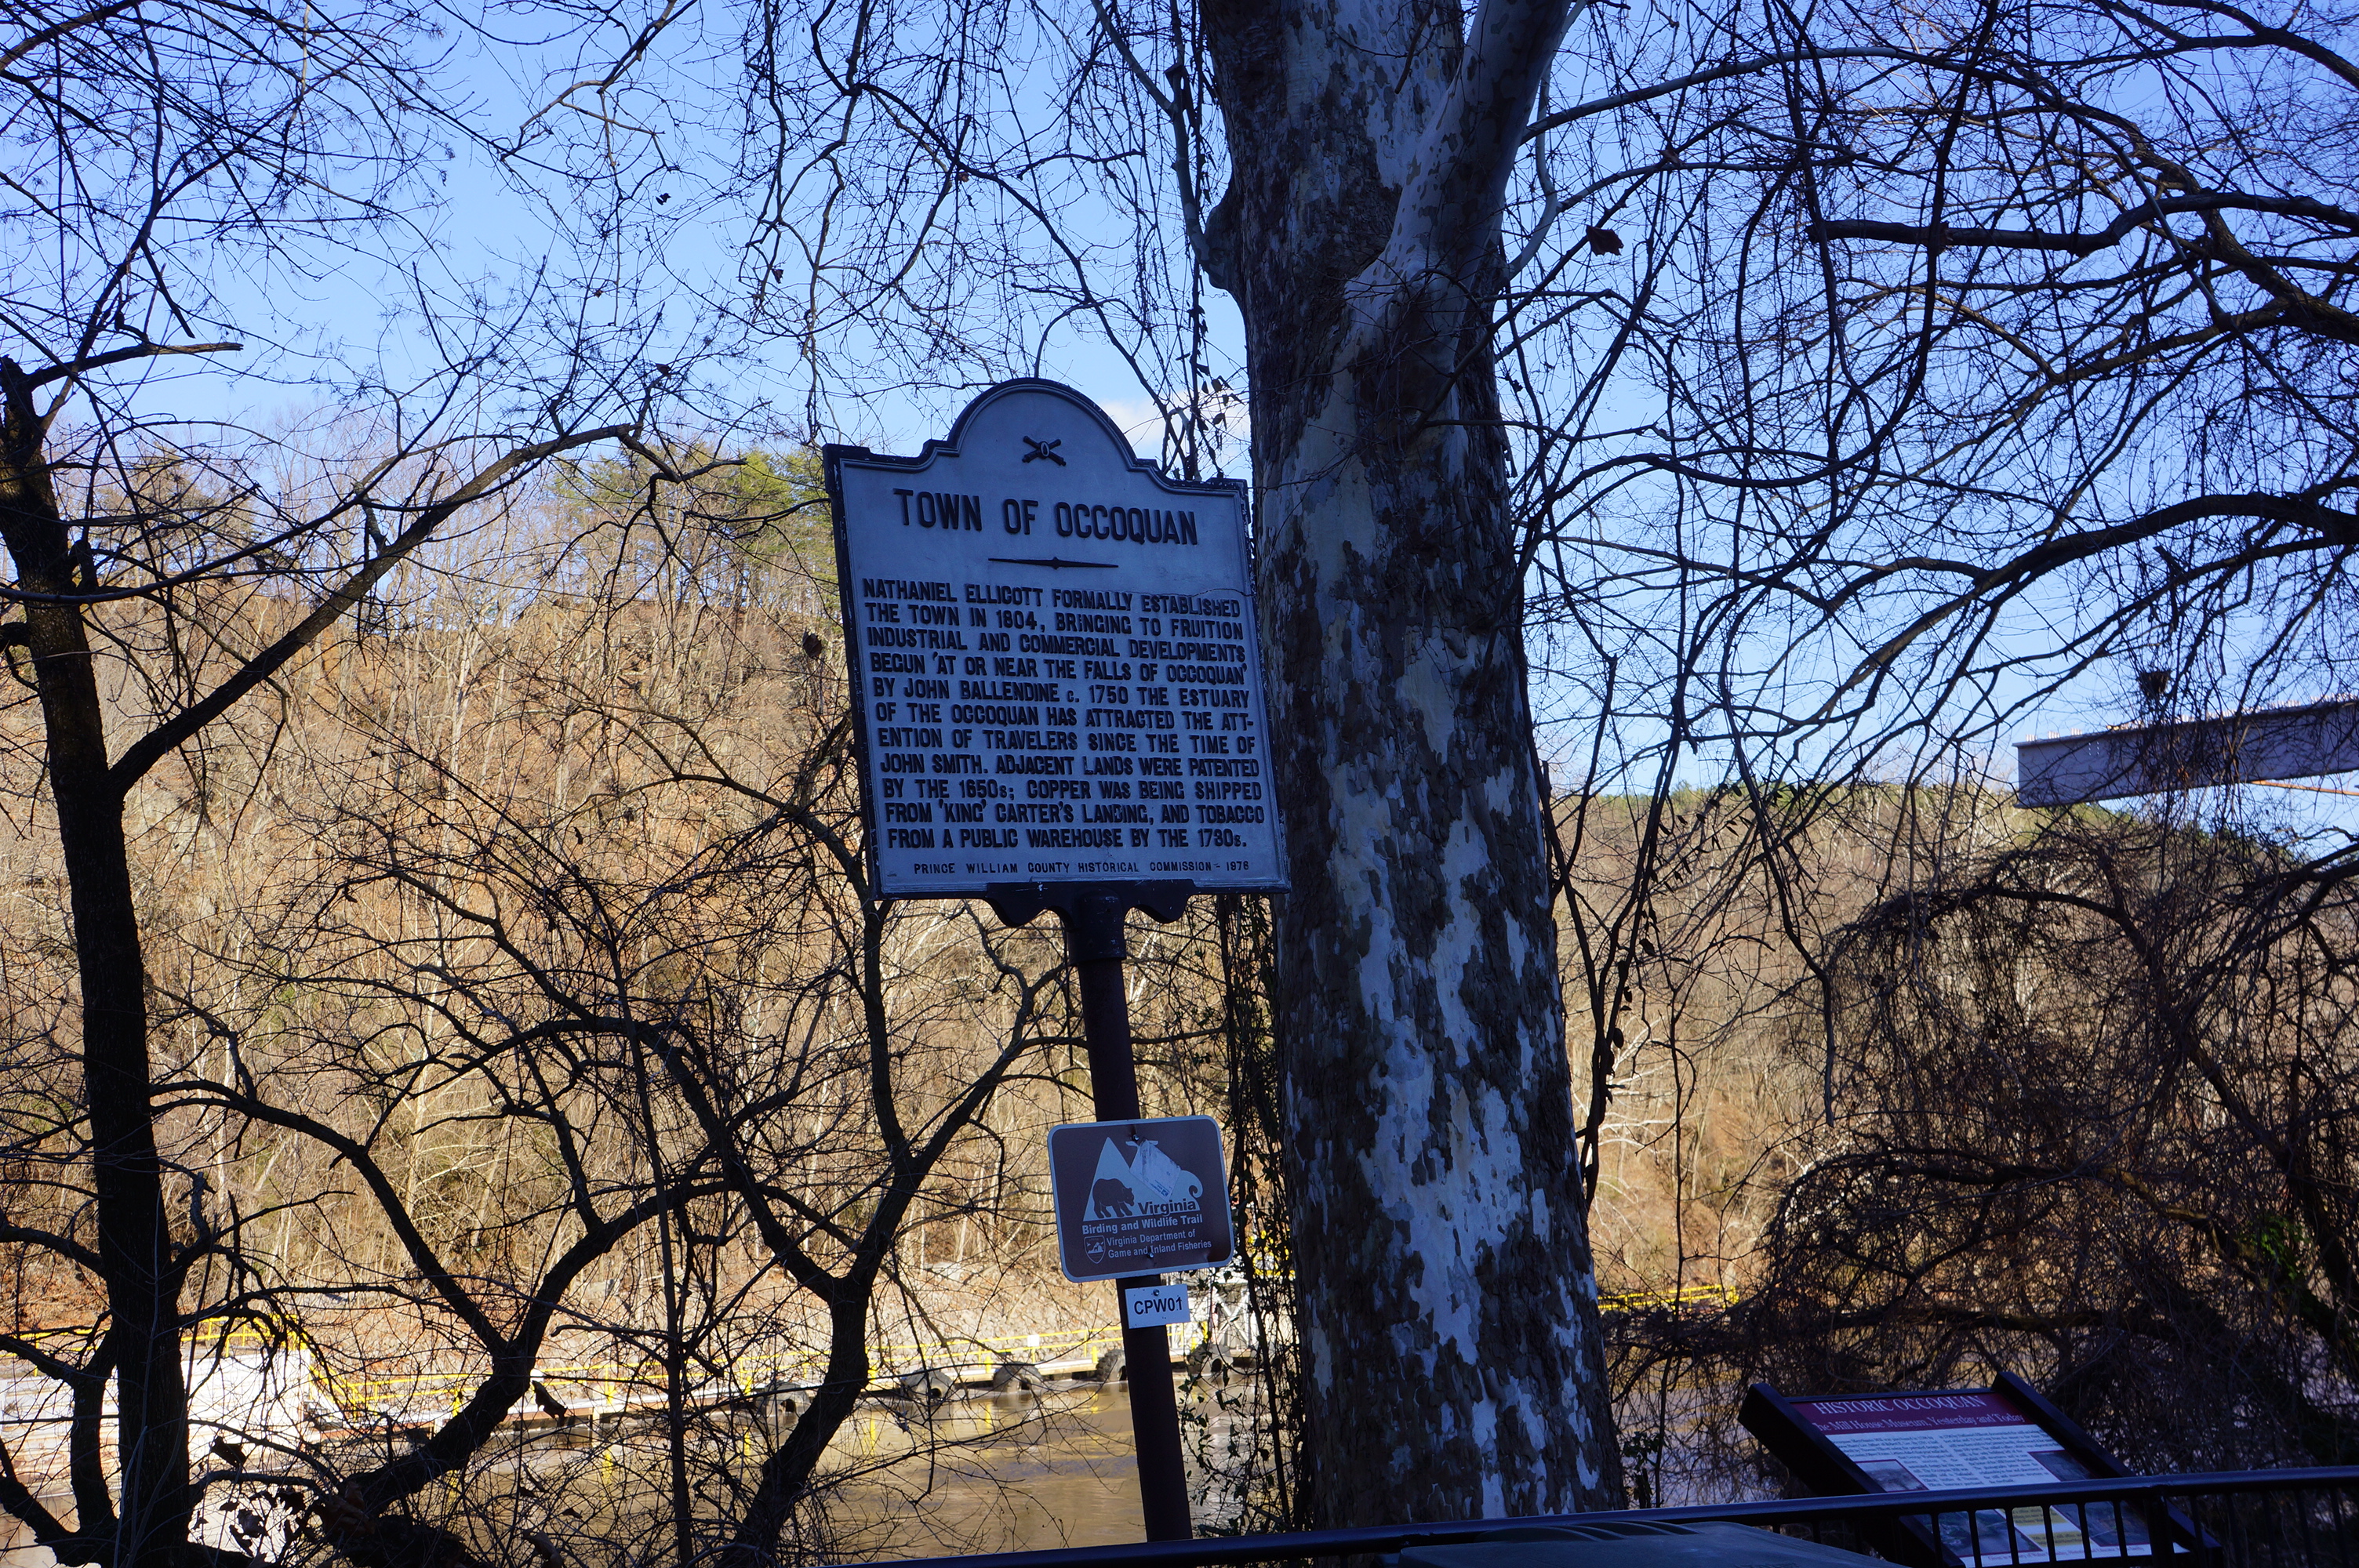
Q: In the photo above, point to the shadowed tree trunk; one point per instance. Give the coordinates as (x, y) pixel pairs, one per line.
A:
(137, 1257)
(1449, 1312)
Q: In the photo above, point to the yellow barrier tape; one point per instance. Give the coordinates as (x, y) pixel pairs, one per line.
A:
(354, 1395)
(1685, 1295)
(367, 1396)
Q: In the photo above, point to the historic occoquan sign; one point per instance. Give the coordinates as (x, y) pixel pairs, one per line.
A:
(1055, 660)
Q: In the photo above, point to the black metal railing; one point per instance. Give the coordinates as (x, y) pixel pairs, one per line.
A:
(2249, 1519)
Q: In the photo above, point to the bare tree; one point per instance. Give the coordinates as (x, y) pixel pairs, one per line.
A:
(2089, 1084)
(172, 160)
(1368, 150)
(1438, 1226)
(631, 917)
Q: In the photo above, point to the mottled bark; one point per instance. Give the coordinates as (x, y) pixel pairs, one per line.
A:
(1449, 1310)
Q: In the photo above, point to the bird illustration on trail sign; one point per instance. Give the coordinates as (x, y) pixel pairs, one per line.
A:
(1146, 1182)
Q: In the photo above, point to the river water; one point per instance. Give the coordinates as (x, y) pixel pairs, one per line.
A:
(993, 1473)
(1005, 1472)
(997, 1474)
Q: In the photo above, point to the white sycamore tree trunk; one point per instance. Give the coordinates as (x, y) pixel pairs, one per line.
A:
(1451, 1314)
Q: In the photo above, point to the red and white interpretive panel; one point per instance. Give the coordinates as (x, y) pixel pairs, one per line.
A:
(1981, 1439)
(1910, 1442)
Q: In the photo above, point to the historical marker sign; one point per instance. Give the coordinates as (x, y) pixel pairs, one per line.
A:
(1945, 1440)
(1139, 1197)
(1055, 657)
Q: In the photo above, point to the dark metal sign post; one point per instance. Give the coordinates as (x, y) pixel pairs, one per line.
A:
(1093, 915)
(1058, 687)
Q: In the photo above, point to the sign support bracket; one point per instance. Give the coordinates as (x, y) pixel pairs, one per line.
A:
(1093, 915)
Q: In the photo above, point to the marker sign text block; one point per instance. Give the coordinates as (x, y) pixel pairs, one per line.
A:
(1057, 673)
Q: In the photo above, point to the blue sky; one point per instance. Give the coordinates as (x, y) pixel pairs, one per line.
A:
(627, 228)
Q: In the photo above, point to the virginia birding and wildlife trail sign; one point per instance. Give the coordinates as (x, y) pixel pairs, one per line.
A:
(1139, 1197)
(1058, 678)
